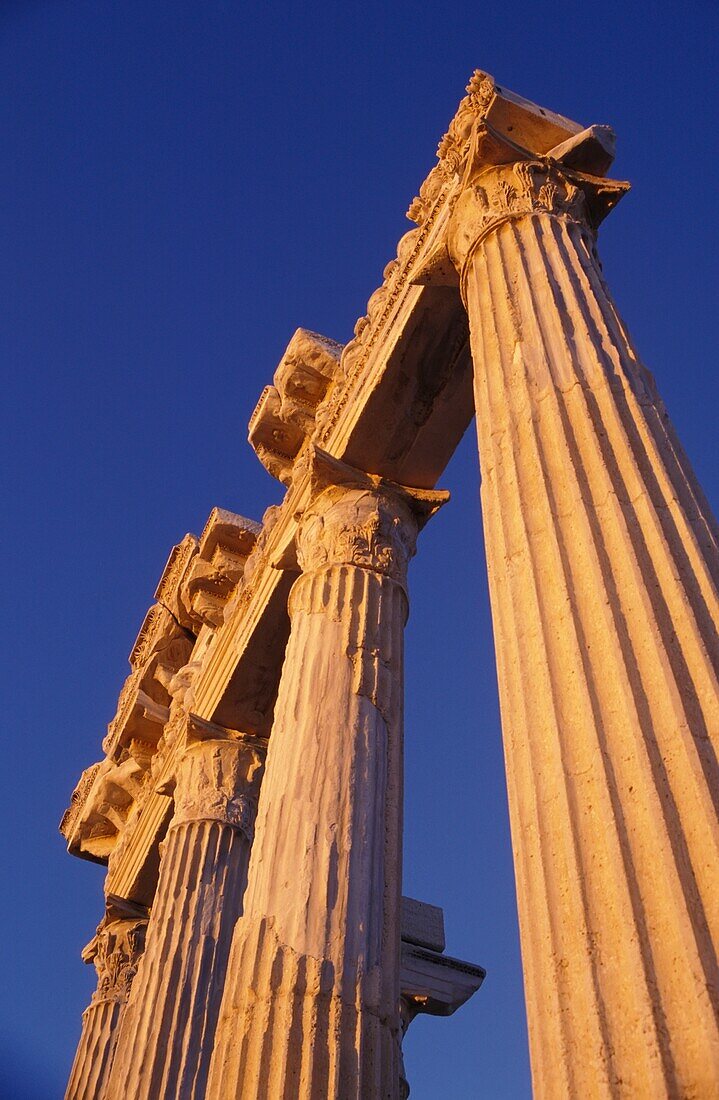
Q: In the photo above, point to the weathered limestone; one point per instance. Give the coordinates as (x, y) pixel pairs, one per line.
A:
(115, 951)
(603, 570)
(161, 648)
(213, 573)
(311, 1005)
(285, 414)
(603, 574)
(165, 1038)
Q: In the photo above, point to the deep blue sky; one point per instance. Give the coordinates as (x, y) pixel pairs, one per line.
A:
(183, 184)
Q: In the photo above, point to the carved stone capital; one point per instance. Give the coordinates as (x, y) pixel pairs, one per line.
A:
(508, 192)
(361, 526)
(116, 950)
(219, 780)
(360, 519)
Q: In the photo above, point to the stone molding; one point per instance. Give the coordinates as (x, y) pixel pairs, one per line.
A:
(102, 803)
(138, 715)
(454, 147)
(284, 417)
(161, 648)
(78, 799)
(168, 586)
(201, 574)
(217, 569)
(196, 583)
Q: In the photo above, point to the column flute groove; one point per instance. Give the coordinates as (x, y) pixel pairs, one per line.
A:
(585, 990)
(115, 951)
(603, 566)
(311, 1004)
(590, 703)
(167, 1033)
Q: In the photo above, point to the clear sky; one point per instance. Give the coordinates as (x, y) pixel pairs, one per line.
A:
(185, 182)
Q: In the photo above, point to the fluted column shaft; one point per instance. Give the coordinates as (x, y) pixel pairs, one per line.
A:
(311, 1006)
(115, 951)
(603, 569)
(167, 1031)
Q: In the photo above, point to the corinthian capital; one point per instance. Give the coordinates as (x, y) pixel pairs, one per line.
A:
(218, 779)
(116, 951)
(362, 520)
(507, 192)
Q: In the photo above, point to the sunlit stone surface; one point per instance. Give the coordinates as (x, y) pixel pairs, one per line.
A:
(162, 1048)
(603, 564)
(603, 571)
(116, 951)
(312, 995)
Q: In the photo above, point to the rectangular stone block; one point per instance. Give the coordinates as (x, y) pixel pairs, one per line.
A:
(422, 924)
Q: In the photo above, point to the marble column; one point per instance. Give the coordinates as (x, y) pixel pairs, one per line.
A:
(115, 951)
(603, 569)
(311, 1004)
(167, 1031)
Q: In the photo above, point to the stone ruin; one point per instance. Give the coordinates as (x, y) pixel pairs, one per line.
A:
(248, 805)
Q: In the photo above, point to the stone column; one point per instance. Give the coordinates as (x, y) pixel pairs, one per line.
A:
(311, 1005)
(115, 951)
(603, 570)
(168, 1027)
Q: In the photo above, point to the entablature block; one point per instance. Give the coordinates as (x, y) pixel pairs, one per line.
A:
(217, 568)
(101, 805)
(284, 417)
(430, 981)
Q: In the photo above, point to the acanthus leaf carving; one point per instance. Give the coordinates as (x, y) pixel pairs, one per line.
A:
(115, 951)
(360, 519)
(355, 527)
(218, 777)
(527, 187)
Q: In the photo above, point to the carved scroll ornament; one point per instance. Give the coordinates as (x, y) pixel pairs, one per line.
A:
(362, 527)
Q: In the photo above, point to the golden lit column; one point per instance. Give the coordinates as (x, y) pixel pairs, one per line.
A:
(167, 1031)
(311, 1005)
(115, 951)
(603, 570)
